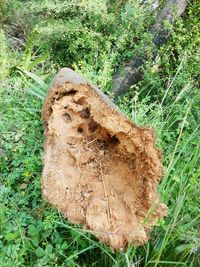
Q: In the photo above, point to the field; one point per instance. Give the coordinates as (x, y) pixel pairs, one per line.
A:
(39, 37)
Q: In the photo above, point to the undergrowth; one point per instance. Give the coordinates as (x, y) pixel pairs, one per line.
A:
(37, 37)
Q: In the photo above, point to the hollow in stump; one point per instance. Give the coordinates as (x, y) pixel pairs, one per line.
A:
(100, 169)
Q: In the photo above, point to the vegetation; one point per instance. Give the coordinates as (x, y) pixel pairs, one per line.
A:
(94, 37)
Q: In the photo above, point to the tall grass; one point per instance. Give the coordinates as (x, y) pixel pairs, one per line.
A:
(32, 233)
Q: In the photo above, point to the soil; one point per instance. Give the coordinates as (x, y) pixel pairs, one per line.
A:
(100, 169)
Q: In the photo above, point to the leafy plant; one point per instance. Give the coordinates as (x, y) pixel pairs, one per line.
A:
(94, 37)
(4, 58)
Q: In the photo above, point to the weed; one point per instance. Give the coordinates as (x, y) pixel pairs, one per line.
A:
(85, 36)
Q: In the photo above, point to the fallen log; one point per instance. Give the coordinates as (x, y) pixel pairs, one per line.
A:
(100, 169)
(131, 72)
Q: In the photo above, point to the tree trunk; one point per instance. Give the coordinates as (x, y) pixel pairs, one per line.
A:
(132, 72)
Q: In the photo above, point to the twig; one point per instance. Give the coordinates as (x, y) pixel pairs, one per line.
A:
(106, 195)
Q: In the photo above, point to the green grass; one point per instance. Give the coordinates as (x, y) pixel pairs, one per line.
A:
(32, 233)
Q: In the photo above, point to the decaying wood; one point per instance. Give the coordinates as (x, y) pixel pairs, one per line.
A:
(100, 170)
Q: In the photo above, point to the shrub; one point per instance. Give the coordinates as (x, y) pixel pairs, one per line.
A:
(4, 57)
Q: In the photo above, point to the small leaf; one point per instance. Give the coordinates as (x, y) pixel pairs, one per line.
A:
(8, 145)
(32, 230)
(39, 252)
(11, 236)
(49, 249)
(176, 178)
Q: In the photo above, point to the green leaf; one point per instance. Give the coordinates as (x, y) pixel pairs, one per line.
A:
(49, 249)
(32, 230)
(38, 61)
(8, 145)
(39, 252)
(11, 236)
(33, 76)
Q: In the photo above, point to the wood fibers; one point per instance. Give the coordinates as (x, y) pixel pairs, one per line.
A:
(100, 169)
